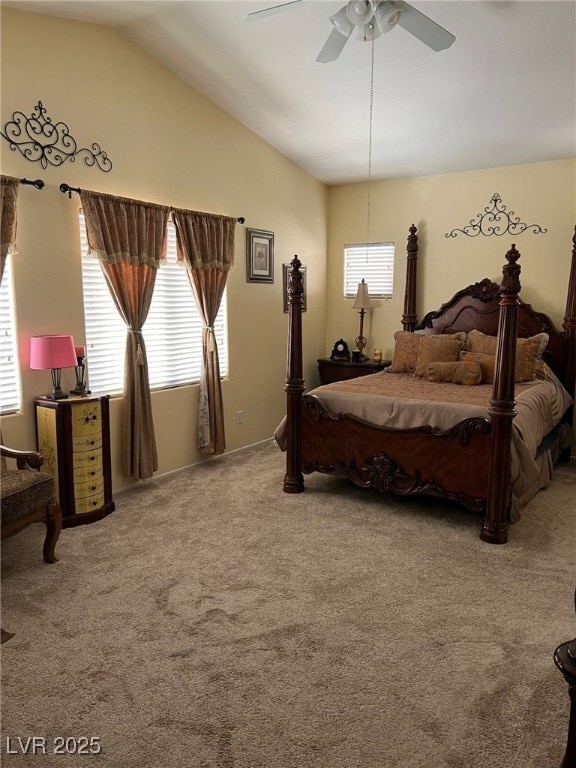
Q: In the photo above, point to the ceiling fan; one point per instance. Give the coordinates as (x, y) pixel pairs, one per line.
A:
(372, 18)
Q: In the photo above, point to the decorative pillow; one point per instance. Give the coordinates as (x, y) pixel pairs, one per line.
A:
(460, 372)
(437, 349)
(481, 342)
(528, 351)
(407, 348)
(486, 362)
(528, 354)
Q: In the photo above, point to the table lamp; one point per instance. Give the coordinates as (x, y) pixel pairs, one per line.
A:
(52, 353)
(362, 302)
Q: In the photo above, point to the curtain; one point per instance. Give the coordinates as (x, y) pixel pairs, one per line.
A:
(129, 237)
(205, 244)
(9, 187)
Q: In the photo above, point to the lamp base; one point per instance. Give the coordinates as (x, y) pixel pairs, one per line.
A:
(57, 392)
(56, 395)
(360, 344)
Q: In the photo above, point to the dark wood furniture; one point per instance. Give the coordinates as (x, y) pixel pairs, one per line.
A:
(565, 659)
(74, 438)
(469, 463)
(27, 497)
(331, 370)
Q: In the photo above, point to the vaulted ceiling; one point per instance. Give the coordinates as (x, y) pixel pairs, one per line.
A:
(503, 94)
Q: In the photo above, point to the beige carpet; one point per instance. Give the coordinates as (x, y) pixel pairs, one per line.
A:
(215, 622)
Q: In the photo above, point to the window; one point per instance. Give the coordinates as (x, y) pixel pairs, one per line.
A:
(375, 263)
(172, 331)
(10, 398)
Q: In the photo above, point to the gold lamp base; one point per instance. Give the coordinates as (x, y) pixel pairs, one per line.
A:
(360, 344)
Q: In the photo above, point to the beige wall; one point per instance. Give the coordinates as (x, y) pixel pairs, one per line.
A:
(542, 193)
(168, 144)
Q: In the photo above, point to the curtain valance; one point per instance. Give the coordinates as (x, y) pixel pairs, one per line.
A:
(121, 230)
(204, 240)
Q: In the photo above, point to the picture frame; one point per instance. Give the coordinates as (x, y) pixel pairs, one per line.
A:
(285, 273)
(259, 256)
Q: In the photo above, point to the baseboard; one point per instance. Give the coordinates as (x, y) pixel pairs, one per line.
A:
(117, 492)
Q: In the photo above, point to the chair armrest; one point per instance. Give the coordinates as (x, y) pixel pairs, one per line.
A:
(24, 459)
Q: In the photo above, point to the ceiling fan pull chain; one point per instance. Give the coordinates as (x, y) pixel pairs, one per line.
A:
(370, 145)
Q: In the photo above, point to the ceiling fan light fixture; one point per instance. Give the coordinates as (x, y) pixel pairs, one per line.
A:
(368, 32)
(387, 14)
(342, 23)
(360, 12)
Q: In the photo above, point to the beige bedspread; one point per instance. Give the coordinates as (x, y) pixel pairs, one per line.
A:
(402, 401)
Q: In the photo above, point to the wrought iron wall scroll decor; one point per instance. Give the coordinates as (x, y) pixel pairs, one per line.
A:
(496, 220)
(40, 140)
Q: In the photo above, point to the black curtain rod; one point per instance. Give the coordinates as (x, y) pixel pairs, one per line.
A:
(66, 188)
(38, 183)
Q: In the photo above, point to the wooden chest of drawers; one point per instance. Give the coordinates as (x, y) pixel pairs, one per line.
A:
(74, 438)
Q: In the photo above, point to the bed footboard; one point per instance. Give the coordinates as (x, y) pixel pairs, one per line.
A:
(450, 464)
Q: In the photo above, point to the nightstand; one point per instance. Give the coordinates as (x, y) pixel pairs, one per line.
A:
(74, 438)
(340, 370)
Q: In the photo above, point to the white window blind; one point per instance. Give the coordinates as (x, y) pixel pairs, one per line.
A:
(10, 389)
(172, 331)
(373, 262)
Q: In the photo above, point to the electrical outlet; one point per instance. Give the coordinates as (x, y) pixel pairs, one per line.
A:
(239, 416)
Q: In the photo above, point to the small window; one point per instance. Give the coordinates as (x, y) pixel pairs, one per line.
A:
(373, 262)
(10, 389)
(172, 331)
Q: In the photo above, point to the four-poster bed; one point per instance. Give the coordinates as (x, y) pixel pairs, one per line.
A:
(473, 456)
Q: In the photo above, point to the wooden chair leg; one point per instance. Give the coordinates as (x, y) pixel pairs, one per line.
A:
(53, 527)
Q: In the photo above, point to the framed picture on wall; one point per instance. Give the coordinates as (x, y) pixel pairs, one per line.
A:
(285, 273)
(259, 256)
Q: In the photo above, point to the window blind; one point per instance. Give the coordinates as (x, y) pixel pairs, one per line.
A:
(375, 263)
(10, 386)
(172, 331)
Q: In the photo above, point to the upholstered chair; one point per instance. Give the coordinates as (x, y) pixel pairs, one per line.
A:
(27, 497)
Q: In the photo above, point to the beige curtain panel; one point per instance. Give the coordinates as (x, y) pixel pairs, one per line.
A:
(9, 187)
(129, 237)
(205, 244)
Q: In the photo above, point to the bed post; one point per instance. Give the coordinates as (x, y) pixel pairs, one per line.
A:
(495, 524)
(409, 316)
(294, 386)
(569, 326)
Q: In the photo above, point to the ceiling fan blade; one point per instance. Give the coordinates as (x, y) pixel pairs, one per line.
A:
(333, 47)
(257, 15)
(426, 30)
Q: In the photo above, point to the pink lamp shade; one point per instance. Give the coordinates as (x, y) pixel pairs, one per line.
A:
(49, 352)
